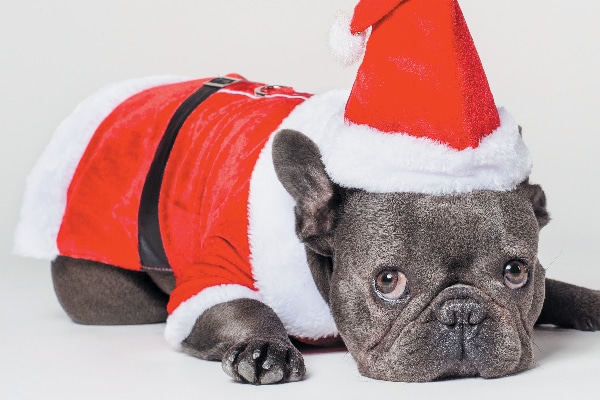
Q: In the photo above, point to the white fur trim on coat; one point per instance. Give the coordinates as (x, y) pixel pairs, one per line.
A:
(181, 322)
(45, 196)
(278, 257)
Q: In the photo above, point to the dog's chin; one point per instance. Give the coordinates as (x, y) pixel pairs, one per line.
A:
(428, 350)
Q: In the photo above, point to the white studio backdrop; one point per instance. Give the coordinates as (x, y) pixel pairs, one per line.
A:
(542, 60)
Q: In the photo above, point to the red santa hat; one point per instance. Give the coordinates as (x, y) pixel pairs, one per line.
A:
(421, 116)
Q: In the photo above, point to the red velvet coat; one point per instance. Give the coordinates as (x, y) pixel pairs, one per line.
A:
(203, 207)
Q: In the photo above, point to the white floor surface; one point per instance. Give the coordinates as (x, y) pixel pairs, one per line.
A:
(46, 356)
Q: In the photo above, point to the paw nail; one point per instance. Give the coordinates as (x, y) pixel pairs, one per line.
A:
(256, 354)
(268, 363)
(295, 366)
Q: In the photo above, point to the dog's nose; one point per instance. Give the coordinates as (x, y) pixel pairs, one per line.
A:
(461, 311)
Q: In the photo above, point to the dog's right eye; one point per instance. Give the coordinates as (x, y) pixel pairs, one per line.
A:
(391, 284)
(516, 274)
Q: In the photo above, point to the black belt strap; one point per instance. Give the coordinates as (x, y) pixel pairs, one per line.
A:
(150, 245)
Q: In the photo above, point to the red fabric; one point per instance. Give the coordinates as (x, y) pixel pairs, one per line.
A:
(369, 12)
(421, 75)
(100, 220)
(203, 208)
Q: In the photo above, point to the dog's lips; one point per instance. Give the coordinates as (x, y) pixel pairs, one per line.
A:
(489, 349)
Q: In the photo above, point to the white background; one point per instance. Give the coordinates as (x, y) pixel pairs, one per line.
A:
(542, 59)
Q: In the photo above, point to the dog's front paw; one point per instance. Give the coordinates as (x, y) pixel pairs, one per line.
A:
(263, 362)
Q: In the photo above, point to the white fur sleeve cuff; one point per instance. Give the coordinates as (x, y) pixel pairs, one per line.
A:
(181, 322)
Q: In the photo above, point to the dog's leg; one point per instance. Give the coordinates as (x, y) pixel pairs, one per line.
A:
(98, 294)
(570, 306)
(249, 339)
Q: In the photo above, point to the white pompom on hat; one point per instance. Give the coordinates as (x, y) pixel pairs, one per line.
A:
(347, 48)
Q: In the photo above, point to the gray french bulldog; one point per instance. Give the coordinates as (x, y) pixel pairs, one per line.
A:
(421, 287)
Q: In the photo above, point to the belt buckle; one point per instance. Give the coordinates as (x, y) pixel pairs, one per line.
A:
(221, 82)
(271, 89)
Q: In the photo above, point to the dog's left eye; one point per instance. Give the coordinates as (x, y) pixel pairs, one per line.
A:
(516, 274)
(391, 284)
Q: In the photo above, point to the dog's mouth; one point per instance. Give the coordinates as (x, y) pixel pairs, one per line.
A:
(462, 333)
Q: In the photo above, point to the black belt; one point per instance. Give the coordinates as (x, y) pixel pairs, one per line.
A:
(150, 245)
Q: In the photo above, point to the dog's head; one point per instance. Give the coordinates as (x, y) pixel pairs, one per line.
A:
(421, 287)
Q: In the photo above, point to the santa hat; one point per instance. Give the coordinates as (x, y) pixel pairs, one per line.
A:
(421, 116)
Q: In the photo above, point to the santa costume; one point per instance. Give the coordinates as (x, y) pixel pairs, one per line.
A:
(173, 174)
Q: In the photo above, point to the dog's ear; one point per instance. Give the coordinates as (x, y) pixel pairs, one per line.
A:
(536, 195)
(299, 167)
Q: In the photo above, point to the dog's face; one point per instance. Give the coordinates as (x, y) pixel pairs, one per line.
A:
(426, 287)
(421, 287)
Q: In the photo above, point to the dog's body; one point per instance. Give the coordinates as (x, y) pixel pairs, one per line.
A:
(420, 286)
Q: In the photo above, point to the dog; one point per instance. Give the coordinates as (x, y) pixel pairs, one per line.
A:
(420, 287)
